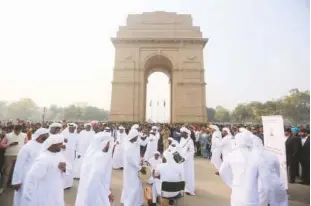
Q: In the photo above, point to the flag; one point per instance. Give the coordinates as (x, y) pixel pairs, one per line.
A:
(164, 103)
(150, 105)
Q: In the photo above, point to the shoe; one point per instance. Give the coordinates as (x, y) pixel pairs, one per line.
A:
(171, 202)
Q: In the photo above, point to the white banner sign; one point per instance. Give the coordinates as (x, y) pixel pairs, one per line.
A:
(274, 141)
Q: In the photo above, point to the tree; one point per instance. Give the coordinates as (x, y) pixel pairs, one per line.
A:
(23, 109)
(296, 106)
(222, 114)
(242, 113)
(210, 113)
(71, 113)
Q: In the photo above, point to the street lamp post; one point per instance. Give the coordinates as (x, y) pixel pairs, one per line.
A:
(43, 115)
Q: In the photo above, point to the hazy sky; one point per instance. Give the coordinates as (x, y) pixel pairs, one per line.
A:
(60, 51)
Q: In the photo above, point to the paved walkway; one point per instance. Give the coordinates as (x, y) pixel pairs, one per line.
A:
(210, 190)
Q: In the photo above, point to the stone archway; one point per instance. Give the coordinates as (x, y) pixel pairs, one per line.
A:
(158, 63)
(159, 40)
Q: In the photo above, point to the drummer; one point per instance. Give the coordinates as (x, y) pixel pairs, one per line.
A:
(154, 162)
(168, 171)
(174, 146)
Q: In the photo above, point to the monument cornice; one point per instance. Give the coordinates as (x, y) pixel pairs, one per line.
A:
(192, 83)
(118, 40)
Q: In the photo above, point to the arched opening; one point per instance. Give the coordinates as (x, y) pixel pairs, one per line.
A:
(158, 89)
(158, 98)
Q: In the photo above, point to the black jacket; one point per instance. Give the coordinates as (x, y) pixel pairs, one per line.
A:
(293, 148)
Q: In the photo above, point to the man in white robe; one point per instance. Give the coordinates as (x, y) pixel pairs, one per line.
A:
(25, 158)
(226, 142)
(55, 128)
(154, 161)
(94, 187)
(84, 139)
(241, 172)
(118, 152)
(216, 147)
(168, 171)
(44, 184)
(275, 193)
(152, 145)
(187, 148)
(71, 140)
(132, 192)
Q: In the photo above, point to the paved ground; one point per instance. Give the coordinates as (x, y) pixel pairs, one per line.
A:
(210, 190)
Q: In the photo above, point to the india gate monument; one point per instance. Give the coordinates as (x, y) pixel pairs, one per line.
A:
(159, 42)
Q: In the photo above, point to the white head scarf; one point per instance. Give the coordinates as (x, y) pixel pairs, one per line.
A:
(51, 140)
(169, 158)
(121, 127)
(242, 129)
(227, 130)
(133, 133)
(257, 142)
(55, 124)
(184, 129)
(97, 143)
(214, 127)
(39, 132)
(243, 140)
(135, 126)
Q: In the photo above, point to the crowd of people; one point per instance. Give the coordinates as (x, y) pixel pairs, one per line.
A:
(42, 160)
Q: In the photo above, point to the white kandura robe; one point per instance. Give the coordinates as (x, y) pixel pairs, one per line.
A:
(272, 187)
(241, 172)
(69, 154)
(84, 139)
(44, 184)
(188, 151)
(25, 159)
(132, 192)
(154, 163)
(118, 151)
(86, 167)
(216, 149)
(226, 146)
(169, 172)
(152, 146)
(98, 189)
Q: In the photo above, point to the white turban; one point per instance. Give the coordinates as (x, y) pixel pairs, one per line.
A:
(88, 124)
(227, 130)
(243, 140)
(184, 129)
(257, 142)
(135, 126)
(170, 138)
(56, 124)
(242, 129)
(72, 125)
(51, 140)
(157, 153)
(214, 127)
(39, 132)
(121, 127)
(154, 128)
(133, 133)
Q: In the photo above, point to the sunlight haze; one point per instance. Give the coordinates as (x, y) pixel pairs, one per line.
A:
(59, 52)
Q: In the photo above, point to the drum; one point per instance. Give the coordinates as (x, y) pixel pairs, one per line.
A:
(178, 158)
(145, 177)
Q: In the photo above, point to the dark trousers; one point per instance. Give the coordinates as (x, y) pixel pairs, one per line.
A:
(305, 175)
(292, 168)
(1, 161)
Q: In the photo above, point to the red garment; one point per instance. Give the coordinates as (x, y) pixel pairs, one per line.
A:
(4, 143)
